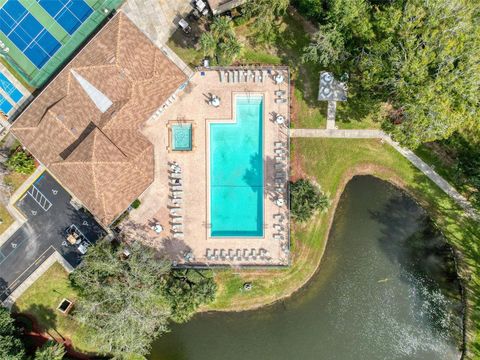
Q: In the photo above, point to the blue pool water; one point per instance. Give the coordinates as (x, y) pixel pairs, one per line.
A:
(182, 137)
(236, 172)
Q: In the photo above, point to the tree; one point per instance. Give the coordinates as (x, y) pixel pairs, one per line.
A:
(265, 13)
(421, 59)
(188, 289)
(327, 47)
(305, 200)
(51, 350)
(208, 44)
(11, 348)
(229, 50)
(21, 162)
(121, 299)
(221, 41)
(128, 301)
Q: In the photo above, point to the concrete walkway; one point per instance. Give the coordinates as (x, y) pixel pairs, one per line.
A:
(408, 154)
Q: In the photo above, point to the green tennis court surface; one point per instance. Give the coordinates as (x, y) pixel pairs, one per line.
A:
(38, 36)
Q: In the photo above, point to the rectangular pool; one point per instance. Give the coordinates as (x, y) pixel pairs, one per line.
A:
(236, 172)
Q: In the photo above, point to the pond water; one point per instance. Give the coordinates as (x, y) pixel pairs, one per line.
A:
(386, 289)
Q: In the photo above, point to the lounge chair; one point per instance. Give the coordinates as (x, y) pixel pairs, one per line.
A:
(178, 235)
(221, 75)
(264, 75)
(279, 144)
(278, 217)
(279, 151)
(279, 92)
(277, 237)
(280, 101)
(177, 220)
(279, 167)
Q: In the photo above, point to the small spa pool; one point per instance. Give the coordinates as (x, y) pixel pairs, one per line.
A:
(182, 137)
(236, 172)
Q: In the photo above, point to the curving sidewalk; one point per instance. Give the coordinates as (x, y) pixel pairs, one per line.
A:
(408, 154)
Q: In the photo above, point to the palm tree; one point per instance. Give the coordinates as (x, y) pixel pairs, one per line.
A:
(222, 27)
(229, 50)
(208, 44)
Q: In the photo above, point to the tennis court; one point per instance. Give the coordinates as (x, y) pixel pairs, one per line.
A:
(28, 35)
(39, 35)
(5, 105)
(68, 13)
(10, 89)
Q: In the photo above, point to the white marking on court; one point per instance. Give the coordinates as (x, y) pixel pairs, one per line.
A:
(39, 198)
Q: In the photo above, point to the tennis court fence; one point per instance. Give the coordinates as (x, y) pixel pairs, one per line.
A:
(102, 10)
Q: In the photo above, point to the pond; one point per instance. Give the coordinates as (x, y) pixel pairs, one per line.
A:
(386, 289)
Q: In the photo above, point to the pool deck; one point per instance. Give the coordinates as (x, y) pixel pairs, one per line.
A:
(191, 105)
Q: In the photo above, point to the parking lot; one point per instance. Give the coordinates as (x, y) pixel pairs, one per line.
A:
(50, 217)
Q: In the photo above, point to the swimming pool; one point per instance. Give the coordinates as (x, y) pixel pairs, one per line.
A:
(236, 172)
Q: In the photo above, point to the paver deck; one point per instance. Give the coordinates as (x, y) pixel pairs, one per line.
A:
(192, 106)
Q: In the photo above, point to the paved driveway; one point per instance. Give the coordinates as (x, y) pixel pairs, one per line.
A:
(49, 212)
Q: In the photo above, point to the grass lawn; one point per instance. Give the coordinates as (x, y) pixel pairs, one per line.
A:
(332, 162)
(41, 301)
(15, 180)
(6, 219)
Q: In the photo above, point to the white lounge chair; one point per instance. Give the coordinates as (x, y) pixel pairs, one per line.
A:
(221, 75)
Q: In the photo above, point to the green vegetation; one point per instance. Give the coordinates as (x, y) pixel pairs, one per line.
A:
(41, 300)
(266, 14)
(305, 200)
(415, 62)
(136, 204)
(51, 350)
(122, 302)
(21, 162)
(121, 299)
(186, 290)
(11, 347)
(220, 43)
(5, 219)
(458, 161)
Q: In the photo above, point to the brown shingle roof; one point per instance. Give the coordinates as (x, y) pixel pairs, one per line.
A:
(98, 154)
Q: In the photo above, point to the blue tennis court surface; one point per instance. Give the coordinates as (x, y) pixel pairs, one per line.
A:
(5, 106)
(70, 14)
(27, 33)
(10, 89)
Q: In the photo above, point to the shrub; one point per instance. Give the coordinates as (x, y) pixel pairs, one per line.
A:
(136, 204)
(306, 199)
(21, 162)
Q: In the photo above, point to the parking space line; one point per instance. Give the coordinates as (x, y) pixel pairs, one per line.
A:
(39, 198)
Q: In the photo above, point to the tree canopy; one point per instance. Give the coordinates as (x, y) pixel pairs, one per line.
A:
(11, 348)
(419, 58)
(265, 12)
(221, 43)
(51, 350)
(128, 301)
(306, 199)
